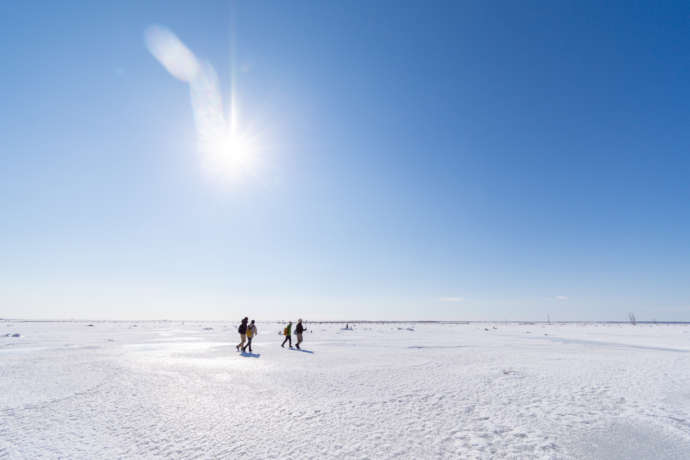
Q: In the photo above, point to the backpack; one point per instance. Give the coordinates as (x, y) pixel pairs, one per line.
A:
(285, 331)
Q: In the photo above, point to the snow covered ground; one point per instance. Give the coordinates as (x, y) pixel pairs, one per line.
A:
(170, 389)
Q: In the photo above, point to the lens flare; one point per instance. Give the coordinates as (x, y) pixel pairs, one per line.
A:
(227, 151)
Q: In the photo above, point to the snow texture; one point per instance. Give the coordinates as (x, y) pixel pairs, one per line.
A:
(180, 390)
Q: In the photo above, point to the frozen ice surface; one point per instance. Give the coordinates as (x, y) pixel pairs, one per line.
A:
(180, 390)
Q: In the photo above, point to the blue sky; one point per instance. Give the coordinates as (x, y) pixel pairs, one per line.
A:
(459, 160)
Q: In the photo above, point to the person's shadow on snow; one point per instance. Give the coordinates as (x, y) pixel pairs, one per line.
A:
(302, 350)
(247, 354)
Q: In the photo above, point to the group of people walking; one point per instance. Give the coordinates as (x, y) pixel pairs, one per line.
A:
(248, 331)
(287, 332)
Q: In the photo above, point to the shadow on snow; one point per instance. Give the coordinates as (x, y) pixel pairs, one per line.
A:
(302, 350)
(422, 347)
(250, 355)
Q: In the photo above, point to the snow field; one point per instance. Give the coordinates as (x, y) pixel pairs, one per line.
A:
(180, 390)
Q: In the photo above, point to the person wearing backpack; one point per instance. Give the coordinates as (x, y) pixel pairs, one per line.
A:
(298, 330)
(251, 333)
(288, 334)
(242, 330)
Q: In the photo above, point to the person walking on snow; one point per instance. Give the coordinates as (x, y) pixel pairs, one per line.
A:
(298, 330)
(251, 333)
(243, 333)
(288, 334)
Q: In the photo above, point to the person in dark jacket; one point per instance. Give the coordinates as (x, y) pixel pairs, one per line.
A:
(288, 334)
(243, 333)
(251, 333)
(299, 330)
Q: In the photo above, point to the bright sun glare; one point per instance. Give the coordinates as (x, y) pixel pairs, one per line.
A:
(231, 154)
(227, 151)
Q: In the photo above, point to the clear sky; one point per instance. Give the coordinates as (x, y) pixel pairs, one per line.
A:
(424, 160)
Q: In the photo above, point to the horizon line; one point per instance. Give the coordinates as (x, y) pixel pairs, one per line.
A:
(363, 321)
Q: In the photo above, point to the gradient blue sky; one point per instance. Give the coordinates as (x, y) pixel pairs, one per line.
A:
(425, 160)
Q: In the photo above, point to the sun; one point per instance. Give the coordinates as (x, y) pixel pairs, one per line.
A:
(230, 154)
